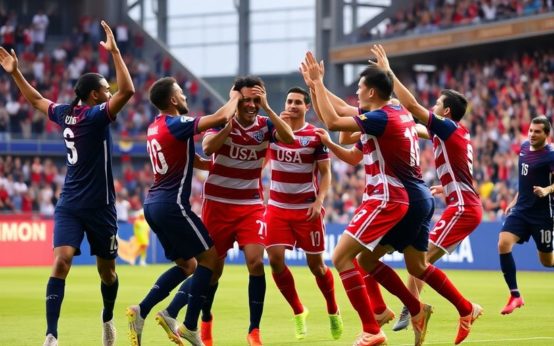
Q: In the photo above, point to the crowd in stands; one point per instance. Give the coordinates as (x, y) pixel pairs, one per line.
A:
(428, 16)
(504, 94)
(53, 71)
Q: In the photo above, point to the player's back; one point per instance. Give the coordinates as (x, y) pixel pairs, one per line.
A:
(235, 176)
(453, 160)
(170, 145)
(294, 169)
(391, 153)
(89, 179)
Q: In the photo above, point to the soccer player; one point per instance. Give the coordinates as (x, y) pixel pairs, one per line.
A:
(87, 202)
(233, 207)
(167, 209)
(294, 215)
(530, 213)
(386, 150)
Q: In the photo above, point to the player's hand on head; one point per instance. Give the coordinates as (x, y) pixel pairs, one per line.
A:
(382, 60)
(233, 93)
(8, 60)
(260, 91)
(110, 43)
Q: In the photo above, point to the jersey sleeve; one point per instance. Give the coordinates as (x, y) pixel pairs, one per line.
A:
(321, 152)
(56, 112)
(182, 127)
(213, 130)
(372, 123)
(271, 131)
(440, 126)
(100, 114)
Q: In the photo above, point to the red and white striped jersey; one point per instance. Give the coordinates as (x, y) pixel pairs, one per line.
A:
(453, 160)
(390, 148)
(235, 176)
(294, 169)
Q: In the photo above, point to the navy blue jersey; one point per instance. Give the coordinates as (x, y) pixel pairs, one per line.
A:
(535, 169)
(170, 145)
(86, 131)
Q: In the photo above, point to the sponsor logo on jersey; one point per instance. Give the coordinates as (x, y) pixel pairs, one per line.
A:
(186, 119)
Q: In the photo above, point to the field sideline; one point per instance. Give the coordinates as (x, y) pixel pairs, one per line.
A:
(22, 320)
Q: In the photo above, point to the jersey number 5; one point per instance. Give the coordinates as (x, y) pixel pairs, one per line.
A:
(157, 158)
(68, 137)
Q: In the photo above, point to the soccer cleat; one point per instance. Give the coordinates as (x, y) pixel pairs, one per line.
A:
(192, 336)
(206, 332)
(253, 338)
(50, 340)
(136, 323)
(108, 333)
(366, 339)
(420, 323)
(513, 303)
(336, 325)
(465, 323)
(170, 326)
(384, 317)
(301, 329)
(403, 320)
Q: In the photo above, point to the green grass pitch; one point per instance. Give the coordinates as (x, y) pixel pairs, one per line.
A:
(22, 320)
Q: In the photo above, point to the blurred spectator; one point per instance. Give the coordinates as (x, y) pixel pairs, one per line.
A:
(38, 31)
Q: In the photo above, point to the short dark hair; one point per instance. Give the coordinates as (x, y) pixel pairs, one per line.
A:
(248, 82)
(299, 90)
(161, 91)
(541, 119)
(381, 80)
(456, 102)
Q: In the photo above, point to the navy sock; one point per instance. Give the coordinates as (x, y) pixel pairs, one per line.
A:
(54, 297)
(508, 266)
(207, 306)
(256, 296)
(109, 293)
(165, 284)
(180, 299)
(198, 291)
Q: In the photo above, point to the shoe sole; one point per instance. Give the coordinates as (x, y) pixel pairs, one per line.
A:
(133, 336)
(170, 333)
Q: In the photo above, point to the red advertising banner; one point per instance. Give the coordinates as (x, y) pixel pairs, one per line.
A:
(25, 241)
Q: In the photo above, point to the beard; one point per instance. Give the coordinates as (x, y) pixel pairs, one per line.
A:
(182, 110)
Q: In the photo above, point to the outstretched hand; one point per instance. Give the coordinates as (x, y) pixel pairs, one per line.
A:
(314, 70)
(381, 55)
(8, 60)
(109, 44)
(305, 74)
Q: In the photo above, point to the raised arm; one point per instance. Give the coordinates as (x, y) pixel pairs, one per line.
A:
(341, 107)
(222, 115)
(352, 156)
(212, 142)
(346, 137)
(404, 95)
(284, 132)
(9, 62)
(330, 117)
(125, 87)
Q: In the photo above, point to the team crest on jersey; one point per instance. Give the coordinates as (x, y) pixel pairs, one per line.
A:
(362, 117)
(303, 141)
(258, 136)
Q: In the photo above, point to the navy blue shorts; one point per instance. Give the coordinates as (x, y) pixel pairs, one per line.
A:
(526, 225)
(99, 224)
(414, 227)
(180, 231)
